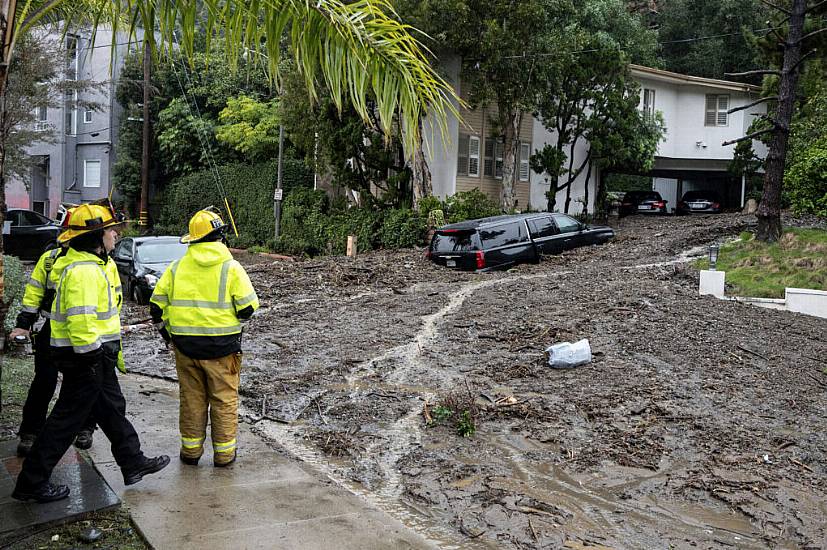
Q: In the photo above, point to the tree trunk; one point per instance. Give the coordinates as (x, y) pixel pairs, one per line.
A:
(3, 308)
(769, 211)
(422, 185)
(585, 212)
(512, 136)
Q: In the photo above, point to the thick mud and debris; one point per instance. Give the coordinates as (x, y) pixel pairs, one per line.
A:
(699, 423)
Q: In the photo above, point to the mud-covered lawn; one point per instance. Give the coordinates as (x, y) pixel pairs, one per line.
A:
(699, 423)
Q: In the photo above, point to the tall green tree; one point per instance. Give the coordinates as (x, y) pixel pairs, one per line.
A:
(707, 37)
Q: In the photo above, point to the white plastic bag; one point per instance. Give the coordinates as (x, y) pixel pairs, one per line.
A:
(566, 355)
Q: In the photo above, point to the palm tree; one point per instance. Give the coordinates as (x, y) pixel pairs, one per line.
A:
(359, 49)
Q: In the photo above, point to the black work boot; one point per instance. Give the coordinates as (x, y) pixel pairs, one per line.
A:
(47, 493)
(84, 440)
(25, 445)
(146, 467)
(189, 461)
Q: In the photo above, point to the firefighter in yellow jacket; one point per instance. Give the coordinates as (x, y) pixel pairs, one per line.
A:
(85, 345)
(199, 304)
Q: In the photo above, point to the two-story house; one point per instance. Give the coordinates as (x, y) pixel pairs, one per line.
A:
(690, 156)
(77, 166)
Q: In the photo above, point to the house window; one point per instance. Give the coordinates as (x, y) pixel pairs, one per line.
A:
(87, 116)
(91, 173)
(648, 103)
(525, 153)
(41, 118)
(716, 110)
(494, 149)
(468, 156)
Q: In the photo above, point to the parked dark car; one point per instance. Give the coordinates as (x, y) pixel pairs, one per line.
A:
(142, 260)
(500, 242)
(642, 202)
(27, 234)
(699, 202)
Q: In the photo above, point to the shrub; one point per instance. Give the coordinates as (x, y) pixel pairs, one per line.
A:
(249, 190)
(403, 228)
(806, 180)
(429, 203)
(469, 205)
(14, 281)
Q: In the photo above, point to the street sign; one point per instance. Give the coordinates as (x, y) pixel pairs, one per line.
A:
(278, 194)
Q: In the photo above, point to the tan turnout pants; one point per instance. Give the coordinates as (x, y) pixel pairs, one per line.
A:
(208, 386)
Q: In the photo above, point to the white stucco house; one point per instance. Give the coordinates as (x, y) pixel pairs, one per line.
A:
(690, 157)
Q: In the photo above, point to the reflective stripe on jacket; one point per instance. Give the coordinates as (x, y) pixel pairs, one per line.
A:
(201, 293)
(85, 311)
(39, 282)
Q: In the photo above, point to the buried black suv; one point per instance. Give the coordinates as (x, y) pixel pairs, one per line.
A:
(500, 242)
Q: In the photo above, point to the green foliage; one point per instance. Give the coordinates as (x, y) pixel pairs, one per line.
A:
(806, 179)
(402, 228)
(469, 205)
(250, 126)
(459, 410)
(428, 204)
(758, 269)
(14, 284)
(466, 427)
(626, 182)
(728, 48)
(441, 414)
(249, 189)
(185, 141)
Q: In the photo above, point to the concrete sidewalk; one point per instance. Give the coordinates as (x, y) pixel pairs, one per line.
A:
(265, 500)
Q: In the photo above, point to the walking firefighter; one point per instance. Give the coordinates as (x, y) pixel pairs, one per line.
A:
(199, 304)
(37, 301)
(85, 345)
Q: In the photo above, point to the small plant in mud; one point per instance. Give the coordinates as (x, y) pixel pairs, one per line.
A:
(457, 409)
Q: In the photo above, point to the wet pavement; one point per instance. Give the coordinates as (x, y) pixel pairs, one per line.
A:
(699, 423)
(89, 492)
(265, 500)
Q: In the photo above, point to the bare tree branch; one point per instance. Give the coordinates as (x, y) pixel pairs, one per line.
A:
(756, 72)
(753, 104)
(805, 56)
(814, 7)
(750, 136)
(812, 34)
(779, 8)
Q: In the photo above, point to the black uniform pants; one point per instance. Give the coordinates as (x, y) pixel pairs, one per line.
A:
(43, 387)
(89, 385)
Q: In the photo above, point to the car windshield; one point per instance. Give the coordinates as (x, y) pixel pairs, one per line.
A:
(453, 241)
(161, 252)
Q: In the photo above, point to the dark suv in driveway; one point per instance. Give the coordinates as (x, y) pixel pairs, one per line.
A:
(27, 234)
(699, 202)
(500, 242)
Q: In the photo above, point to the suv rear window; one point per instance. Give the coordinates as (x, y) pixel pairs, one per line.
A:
(641, 196)
(453, 241)
(695, 195)
(502, 235)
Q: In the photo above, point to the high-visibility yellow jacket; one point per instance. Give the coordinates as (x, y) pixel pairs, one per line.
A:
(201, 294)
(85, 311)
(38, 284)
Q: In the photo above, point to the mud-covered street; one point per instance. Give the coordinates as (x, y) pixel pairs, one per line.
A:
(699, 422)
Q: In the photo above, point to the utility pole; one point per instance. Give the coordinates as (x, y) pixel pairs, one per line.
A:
(277, 195)
(143, 219)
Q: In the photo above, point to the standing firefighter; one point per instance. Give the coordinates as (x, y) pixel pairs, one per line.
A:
(86, 348)
(199, 304)
(37, 300)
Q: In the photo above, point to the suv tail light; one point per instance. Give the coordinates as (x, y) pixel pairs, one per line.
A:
(660, 204)
(716, 205)
(480, 259)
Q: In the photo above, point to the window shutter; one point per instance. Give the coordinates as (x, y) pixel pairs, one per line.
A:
(92, 173)
(462, 155)
(711, 110)
(499, 148)
(723, 106)
(474, 156)
(488, 163)
(525, 152)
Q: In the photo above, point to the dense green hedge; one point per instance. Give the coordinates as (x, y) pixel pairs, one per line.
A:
(311, 224)
(806, 180)
(249, 190)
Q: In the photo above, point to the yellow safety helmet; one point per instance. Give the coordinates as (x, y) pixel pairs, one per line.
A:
(204, 223)
(84, 219)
